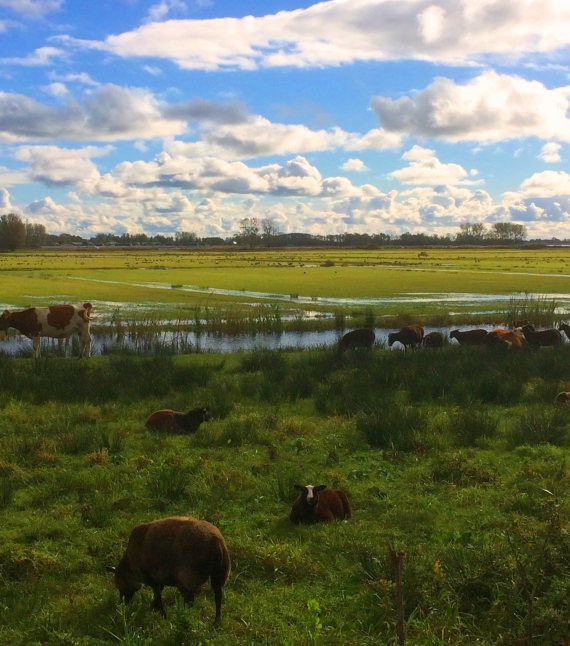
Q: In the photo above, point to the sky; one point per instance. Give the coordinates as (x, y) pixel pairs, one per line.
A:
(343, 116)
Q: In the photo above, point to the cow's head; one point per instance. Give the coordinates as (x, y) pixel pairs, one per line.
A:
(5, 320)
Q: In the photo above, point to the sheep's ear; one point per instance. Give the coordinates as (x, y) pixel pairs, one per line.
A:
(319, 488)
(298, 487)
(111, 569)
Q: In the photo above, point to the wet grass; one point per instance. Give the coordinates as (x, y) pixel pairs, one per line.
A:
(458, 458)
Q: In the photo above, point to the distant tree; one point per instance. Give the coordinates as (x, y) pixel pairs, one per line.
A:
(36, 235)
(12, 232)
(185, 238)
(472, 233)
(508, 231)
(249, 228)
(270, 230)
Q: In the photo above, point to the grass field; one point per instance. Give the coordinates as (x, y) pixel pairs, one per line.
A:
(459, 459)
(154, 281)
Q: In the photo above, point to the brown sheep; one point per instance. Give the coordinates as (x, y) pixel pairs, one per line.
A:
(360, 338)
(410, 335)
(433, 340)
(469, 337)
(177, 422)
(181, 551)
(319, 504)
(539, 338)
(562, 398)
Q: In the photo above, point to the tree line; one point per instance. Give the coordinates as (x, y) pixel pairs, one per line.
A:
(16, 233)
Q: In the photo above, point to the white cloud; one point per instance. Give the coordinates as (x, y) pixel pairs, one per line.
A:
(56, 89)
(550, 153)
(109, 112)
(426, 168)
(5, 204)
(55, 166)
(162, 9)
(32, 8)
(435, 30)
(353, 164)
(491, 107)
(39, 57)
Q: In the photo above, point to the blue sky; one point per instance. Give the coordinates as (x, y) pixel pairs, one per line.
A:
(342, 116)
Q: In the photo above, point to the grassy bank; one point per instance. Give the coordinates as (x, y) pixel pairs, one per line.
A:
(457, 458)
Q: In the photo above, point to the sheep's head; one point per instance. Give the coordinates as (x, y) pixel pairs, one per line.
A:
(392, 337)
(125, 582)
(453, 334)
(310, 494)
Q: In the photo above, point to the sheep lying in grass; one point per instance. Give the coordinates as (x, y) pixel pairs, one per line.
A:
(180, 551)
(319, 504)
(177, 422)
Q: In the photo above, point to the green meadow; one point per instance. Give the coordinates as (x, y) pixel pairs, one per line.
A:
(458, 459)
(143, 282)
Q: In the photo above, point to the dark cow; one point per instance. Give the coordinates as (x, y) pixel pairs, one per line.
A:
(537, 338)
(469, 337)
(433, 340)
(55, 321)
(410, 335)
(361, 338)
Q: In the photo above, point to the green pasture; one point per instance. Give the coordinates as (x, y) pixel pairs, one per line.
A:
(457, 458)
(155, 279)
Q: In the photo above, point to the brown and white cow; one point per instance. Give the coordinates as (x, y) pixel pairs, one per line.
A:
(55, 321)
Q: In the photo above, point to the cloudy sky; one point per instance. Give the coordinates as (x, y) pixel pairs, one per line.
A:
(339, 116)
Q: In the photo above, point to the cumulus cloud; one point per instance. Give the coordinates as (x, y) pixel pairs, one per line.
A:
(489, 108)
(109, 112)
(550, 153)
(426, 168)
(353, 164)
(56, 166)
(435, 30)
(259, 136)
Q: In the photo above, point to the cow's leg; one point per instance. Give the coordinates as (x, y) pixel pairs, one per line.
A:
(36, 341)
(85, 343)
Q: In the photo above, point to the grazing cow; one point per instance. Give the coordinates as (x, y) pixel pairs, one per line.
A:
(539, 338)
(319, 505)
(519, 323)
(410, 335)
(55, 321)
(505, 339)
(469, 337)
(181, 551)
(562, 398)
(177, 422)
(565, 328)
(433, 340)
(361, 338)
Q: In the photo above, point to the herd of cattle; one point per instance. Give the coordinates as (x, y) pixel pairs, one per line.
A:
(412, 336)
